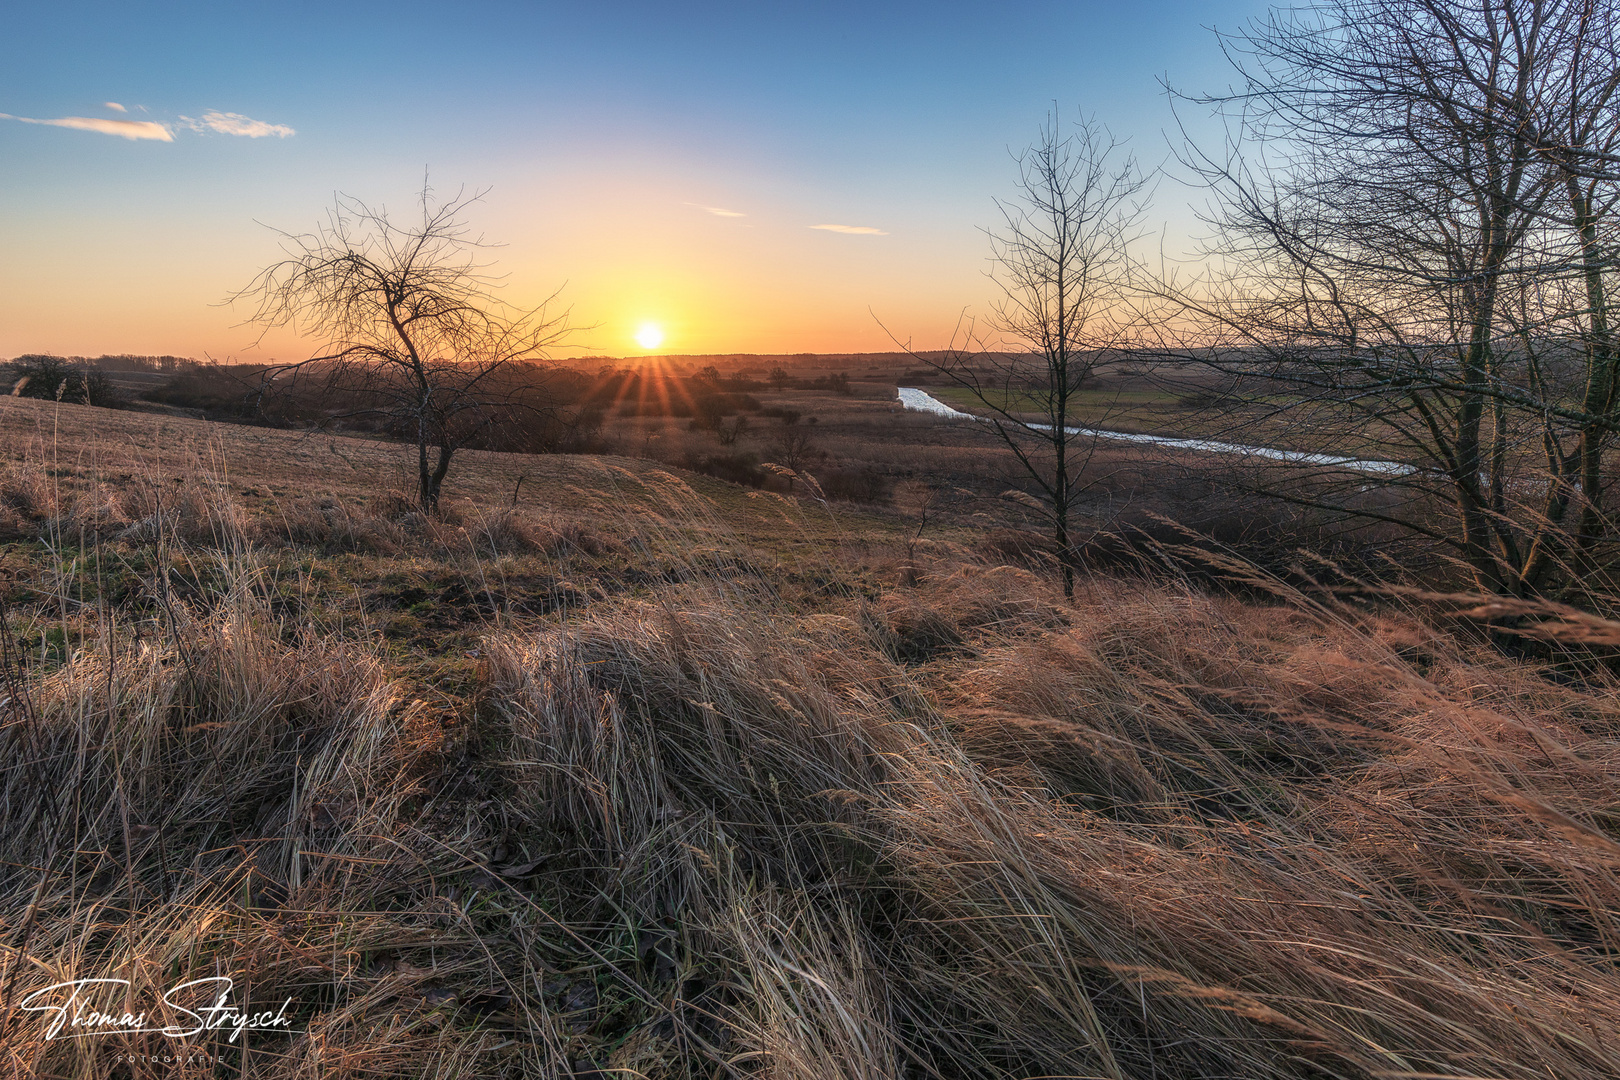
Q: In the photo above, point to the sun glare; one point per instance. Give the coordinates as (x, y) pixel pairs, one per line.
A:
(650, 336)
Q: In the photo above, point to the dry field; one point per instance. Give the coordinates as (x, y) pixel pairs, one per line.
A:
(970, 473)
(648, 775)
(268, 469)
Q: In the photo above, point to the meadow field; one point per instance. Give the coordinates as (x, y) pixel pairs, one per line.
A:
(615, 768)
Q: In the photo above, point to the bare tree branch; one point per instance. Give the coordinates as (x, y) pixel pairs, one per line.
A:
(1415, 249)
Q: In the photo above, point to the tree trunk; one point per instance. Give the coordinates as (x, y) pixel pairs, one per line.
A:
(1065, 553)
(1599, 398)
(436, 479)
(1578, 478)
(427, 492)
(1471, 482)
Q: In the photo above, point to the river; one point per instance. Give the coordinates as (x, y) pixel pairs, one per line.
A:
(920, 400)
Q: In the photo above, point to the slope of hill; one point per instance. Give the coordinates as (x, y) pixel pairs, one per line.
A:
(650, 775)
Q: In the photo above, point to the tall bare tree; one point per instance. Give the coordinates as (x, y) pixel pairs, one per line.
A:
(412, 330)
(1415, 234)
(1062, 263)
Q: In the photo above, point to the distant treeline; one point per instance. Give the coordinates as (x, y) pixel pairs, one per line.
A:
(746, 363)
(83, 380)
(527, 408)
(71, 379)
(638, 392)
(114, 362)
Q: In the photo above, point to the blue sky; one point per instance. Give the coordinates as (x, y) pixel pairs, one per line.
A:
(603, 131)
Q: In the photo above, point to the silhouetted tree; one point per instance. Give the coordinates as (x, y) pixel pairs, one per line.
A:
(411, 328)
(1062, 264)
(796, 450)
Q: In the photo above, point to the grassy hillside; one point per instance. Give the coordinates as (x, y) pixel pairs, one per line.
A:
(643, 774)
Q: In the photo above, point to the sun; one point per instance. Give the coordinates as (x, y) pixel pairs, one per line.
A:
(650, 336)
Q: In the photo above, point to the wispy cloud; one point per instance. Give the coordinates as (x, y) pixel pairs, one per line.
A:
(717, 211)
(114, 106)
(229, 123)
(852, 230)
(124, 129)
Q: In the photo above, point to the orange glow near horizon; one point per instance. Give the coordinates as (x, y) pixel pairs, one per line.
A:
(714, 176)
(763, 284)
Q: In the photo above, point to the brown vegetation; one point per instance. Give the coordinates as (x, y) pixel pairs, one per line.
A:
(691, 794)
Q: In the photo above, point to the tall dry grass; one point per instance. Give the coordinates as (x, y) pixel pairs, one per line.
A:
(147, 505)
(704, 829)
(1176, 837)
(199, 804)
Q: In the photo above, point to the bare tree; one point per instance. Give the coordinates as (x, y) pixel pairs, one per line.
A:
(796, 450)
(1061, 260)
(1415, 236)
(411, 327)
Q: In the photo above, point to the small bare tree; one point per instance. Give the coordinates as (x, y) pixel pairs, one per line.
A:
(796, 450)
(412, 330)
(1062, 263)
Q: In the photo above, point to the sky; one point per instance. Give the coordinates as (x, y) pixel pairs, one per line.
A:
(766, 177)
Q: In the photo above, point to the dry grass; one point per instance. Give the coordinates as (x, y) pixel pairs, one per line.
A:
(704, 824)
(270, 473)
(1189, 839)
(199, 804)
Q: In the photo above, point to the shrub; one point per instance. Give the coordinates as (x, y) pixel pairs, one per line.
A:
(862, 484)
(227, 391)
(327, 524)
(26, 498)
(737, 468)
(787, 416)
(54, 378)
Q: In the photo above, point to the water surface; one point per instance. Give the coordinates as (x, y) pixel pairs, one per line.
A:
(913, 398)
